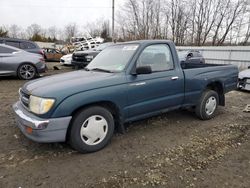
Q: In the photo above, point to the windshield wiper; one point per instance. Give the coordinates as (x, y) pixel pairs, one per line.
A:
(101, 70)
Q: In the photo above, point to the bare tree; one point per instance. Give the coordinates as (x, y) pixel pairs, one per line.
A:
(233, 13)
(3, 32)
(70, 31)
(33, 30)
(14, 31)
(52, 32)
(247, 35)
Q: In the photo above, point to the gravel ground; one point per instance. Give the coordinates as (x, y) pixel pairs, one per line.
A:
(172, 150)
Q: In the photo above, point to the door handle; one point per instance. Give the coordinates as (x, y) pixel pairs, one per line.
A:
(175, 78)
(138, 84)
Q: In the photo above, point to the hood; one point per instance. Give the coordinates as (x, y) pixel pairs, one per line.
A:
(244, 74)
(66, 84)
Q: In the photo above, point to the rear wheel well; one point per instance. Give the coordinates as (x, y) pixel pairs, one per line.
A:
(111, 107)
(218, 87)
(26, 63)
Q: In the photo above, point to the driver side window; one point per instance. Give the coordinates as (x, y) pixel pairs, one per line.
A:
(158, 57)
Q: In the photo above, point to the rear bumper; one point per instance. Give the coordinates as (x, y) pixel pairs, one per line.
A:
(43, 130)
(41, 68)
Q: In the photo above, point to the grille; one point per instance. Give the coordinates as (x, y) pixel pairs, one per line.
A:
(79, 58)
(24, 98)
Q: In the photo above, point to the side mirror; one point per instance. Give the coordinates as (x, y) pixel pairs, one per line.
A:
(190, 55)
(183, 64)
(248, 67)
(143, 70)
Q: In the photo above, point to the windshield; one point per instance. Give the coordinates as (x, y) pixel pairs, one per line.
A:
(113, 58)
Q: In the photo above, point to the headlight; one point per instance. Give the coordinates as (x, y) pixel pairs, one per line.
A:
(40, 105)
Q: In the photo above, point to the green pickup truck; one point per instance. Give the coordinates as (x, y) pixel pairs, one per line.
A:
(124, 83)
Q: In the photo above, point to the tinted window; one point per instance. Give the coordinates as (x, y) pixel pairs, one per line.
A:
(6, 50)
(13, 43)
(28, 45)
(1, 41)
(23, 45)
(158, 57)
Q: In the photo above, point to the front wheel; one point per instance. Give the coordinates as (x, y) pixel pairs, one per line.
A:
(91, 129)
(26, 72)
(207, 105)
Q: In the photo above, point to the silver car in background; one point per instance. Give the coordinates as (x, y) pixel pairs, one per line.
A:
(16, 62)
(190, 56)
(244, 79)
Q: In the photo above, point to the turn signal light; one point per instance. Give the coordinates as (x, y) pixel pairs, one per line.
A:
(29, 130)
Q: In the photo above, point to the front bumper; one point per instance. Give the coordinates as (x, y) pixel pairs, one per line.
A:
(80, 63)
(65, 61)
(43, 130)
(244, 84)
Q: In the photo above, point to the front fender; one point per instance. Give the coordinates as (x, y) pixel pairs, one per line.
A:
(115, 94)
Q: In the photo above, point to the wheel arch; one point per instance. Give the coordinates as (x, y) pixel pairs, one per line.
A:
(110, 106)
(218, 87)
(26, 62)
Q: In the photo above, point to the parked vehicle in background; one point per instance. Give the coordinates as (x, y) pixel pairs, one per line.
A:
(244, 79)
(125, 82)
(52, 54)
(66, 59)
(190, 56)
(83, 43)
(16, 62)
(81, 59)
(26, 45)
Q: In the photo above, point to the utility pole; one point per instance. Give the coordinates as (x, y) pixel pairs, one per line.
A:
(113, 20)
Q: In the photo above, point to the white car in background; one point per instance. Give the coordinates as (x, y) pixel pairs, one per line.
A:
(244, 79)
(66, 59)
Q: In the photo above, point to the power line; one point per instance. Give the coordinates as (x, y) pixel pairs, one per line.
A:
(44, 6)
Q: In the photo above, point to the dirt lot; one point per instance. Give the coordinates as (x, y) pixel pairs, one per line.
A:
(172, 150)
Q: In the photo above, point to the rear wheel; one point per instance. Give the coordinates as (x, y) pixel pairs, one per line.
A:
(26, 72)
(207, 105)
(91, 130)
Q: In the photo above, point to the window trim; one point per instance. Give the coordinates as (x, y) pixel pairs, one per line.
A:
(11, 41)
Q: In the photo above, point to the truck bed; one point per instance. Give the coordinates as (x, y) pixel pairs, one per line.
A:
(199, 65)
(197, 76)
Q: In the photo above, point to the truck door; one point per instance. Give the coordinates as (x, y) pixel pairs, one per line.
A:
(161, 89)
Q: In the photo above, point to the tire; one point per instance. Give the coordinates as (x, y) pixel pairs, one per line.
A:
(26, 71)
(84, 139)
(207, 106)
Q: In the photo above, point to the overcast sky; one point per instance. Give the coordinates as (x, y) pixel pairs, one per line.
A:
(54, 12)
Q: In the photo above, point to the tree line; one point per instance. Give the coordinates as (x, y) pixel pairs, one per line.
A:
(186, 22)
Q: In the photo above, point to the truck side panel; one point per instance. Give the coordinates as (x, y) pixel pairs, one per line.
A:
(197, 80)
